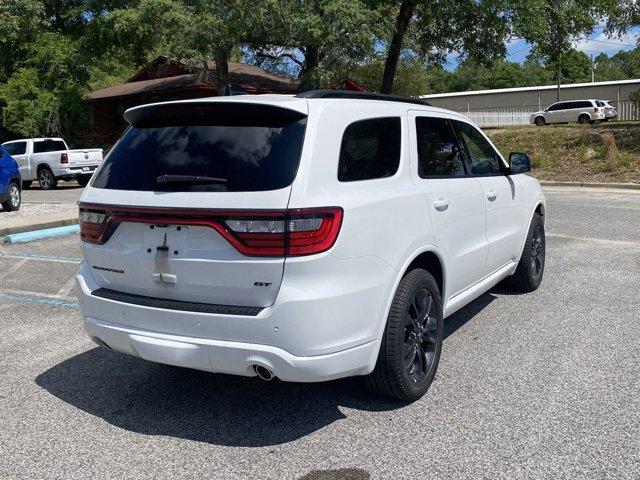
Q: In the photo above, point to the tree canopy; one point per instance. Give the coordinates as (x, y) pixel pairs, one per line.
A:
(52, 52)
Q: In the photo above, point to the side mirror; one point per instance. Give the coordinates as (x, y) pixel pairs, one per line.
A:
(519, 163)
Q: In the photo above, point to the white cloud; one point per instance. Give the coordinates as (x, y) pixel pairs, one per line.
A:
(600, 43)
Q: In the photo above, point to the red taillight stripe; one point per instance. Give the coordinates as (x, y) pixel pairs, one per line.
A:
(291, 243)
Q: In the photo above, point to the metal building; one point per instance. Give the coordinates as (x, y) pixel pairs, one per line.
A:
(512, 106)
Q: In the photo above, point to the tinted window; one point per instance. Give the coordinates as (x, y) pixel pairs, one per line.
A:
(249, 147)
(370, 149)
(438, 150)
(569, 105)
(18, 148)
(556, 106)
(43, 146)
(599, 103)
(484, 159)
(583, 104)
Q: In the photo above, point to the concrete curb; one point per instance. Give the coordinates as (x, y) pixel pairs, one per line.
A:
(619, 186)
(38, 223)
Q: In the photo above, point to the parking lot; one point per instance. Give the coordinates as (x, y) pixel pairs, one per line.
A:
(543, 385)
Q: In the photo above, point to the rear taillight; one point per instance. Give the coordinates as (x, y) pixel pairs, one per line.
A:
(297, 232)
(260, 233)
(92, 225)
(64, 158)
(596, 109)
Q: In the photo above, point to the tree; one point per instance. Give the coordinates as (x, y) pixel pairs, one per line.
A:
(20, 21)
(317, 41)
(479, 30)
(44, 96)
(552, 26)
(623, 16)
(413, 78)
(196, 31)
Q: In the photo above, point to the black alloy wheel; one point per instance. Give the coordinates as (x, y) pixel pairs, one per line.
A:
(412, 340)
(420, 336)
(530, 269)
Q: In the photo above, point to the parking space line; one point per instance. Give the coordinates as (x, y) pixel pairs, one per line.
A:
(46, 258)
(67, 287)
(41, 299)
(13, 268)
(602, 241)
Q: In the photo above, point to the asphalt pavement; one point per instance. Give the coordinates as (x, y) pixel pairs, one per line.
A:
(66, 192)
(542, 385)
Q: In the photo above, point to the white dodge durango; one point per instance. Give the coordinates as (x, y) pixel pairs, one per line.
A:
(306, 238)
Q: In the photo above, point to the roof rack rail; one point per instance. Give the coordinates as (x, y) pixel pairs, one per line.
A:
(360, 96)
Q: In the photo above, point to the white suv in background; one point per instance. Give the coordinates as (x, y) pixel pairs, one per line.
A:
(306, 238)
(582, 111)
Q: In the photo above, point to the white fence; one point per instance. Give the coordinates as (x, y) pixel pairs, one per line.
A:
(520, 116)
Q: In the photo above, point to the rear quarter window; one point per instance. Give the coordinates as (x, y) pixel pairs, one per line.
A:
(370, 149)
(247, 147)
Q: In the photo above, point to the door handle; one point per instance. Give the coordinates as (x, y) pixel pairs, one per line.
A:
(491, 195)
(441, 204)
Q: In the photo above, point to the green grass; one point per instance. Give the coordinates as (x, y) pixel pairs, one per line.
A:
(576, 152)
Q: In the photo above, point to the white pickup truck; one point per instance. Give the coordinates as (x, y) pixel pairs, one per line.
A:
(49, 160)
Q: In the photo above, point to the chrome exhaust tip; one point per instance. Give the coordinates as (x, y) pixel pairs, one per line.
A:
(263, 373)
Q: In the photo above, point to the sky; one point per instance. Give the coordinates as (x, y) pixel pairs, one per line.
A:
(596, 43)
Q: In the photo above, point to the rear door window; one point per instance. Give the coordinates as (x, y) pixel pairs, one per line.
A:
(238, 147)
(43, 146)
(439, 153)
(17, 148)
(370, 149)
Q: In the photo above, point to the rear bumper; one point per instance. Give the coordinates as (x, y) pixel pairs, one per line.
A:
(234, 358)
(71, 172)
(323, 325)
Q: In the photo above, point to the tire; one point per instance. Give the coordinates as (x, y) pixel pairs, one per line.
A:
(584, 119)
(14, 200)
(528, 274)
(26, 184)
(412, 341)
(539, 121)
(83, 180)
(46, 179)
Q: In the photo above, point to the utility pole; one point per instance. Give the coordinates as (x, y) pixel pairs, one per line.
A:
(559, 76)
(593, 69)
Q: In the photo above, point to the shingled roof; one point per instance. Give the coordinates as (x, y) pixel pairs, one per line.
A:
(167, 74)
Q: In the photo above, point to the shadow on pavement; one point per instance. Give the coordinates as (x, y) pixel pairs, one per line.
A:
(156, 399)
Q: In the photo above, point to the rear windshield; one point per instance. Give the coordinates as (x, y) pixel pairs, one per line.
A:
(241, 148)
(43, 146)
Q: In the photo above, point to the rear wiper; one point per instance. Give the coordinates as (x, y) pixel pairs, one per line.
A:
(190, 179)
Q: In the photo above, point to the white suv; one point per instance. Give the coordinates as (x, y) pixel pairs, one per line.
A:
(306, 238)
(581, 111)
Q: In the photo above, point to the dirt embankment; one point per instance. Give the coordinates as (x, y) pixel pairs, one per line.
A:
(608, 152)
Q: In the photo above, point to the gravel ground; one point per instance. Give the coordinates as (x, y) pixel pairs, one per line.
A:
(33, 209)
(544, 385)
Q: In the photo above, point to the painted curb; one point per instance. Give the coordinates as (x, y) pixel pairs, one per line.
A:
(39, 225)
(616, 186)
(40, 234)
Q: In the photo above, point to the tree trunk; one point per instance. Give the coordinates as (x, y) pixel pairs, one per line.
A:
(395, 47)
(222, 72)
(311, 62)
